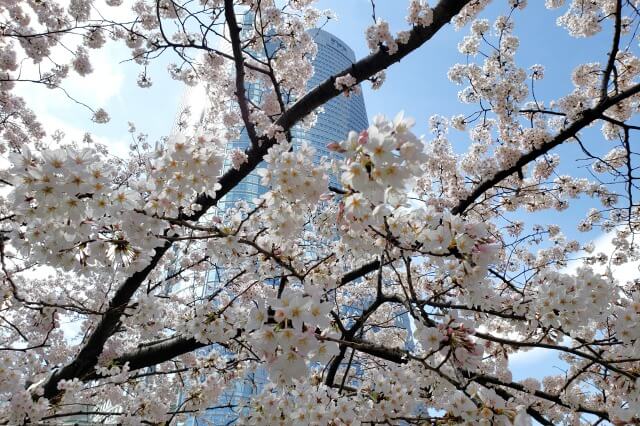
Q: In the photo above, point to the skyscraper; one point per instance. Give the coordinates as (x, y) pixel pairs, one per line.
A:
(341, 115)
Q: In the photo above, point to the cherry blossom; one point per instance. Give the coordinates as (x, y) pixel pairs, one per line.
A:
(390, 282)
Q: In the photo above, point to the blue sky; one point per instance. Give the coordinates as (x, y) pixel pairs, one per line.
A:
(418, 85)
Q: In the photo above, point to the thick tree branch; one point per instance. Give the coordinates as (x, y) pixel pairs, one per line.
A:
(241, 91)
(611, 63)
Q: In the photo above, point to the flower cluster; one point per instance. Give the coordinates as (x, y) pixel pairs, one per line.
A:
(347, 84)
(209, 326)
(75, 214)
(186, 168)
(379, 35)
(297, 183)
(469, 12)
(581, 20)
(420, 13)
(627, 318)
(378, 164)
(572, 301)
(292, 173)
(450, 340)
(386, 398)
(486, 408)
(285, 333)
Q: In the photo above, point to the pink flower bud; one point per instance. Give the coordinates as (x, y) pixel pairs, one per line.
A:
(279, 315)
(335, 146)
(340, 211)
(363, 138)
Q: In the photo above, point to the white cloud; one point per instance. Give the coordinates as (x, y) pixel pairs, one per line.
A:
(100, 89)
(95, 90)
(106, 80)
(537, 363)
(603, 244)
(524, 358)
(625, 272)
(73, 130)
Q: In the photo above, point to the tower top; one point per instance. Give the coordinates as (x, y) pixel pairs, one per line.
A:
(327, 39)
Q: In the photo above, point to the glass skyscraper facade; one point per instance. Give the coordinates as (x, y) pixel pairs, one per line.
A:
(341, 115)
